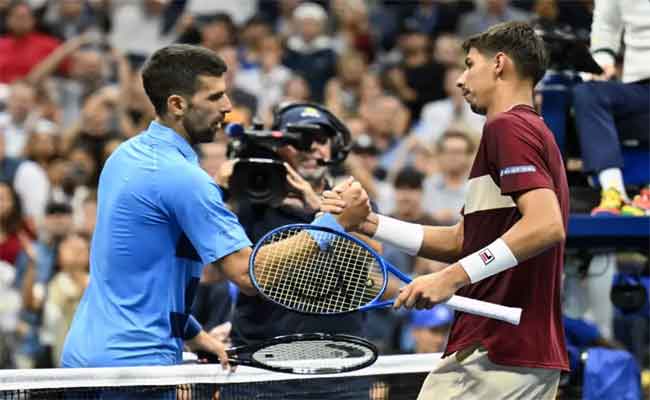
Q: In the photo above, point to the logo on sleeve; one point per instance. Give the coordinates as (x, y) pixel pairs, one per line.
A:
(486, 256)
(517, 169)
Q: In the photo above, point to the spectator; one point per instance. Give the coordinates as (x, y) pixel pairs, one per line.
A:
(447, 50)
(35, 267)
(434, 17)
(22, 47)
(353, 30)
(408, 206)
(296, 90)
(11, 223)
(417, 79)
(8, 316)
(19, 118)
(43, 144)
(267, 80)
(66, 19)
(363, 164)
(139, 28)
(310, 51)
(241, 10)
(87, 218)
(30, 182)
(244, 103)
(489, 12)
(386, 119)
(216, 31)
(439, 115)
(600, 103)
(342, 93)
(251, 36)
(426, 330)
(370, 88)
(88, 71)
(444, 193)
(64, 291)
(213, 155)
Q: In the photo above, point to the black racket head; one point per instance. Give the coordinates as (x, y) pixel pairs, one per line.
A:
(343, 277)
(308, 354)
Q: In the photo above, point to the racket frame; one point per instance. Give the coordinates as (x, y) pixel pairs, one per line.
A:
(242, 355)
(511, 315)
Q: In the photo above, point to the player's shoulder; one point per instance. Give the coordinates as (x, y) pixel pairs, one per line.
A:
(518, 122)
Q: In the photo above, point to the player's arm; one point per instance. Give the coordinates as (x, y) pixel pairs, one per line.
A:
(440, 243)
(235, 267)
(540, 227)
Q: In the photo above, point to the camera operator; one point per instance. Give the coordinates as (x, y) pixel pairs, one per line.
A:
(307, 173)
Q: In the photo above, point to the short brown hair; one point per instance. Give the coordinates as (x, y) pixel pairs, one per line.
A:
(175, 69)
(519, 41)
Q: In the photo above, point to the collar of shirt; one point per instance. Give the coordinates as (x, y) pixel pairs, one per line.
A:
(170, 136)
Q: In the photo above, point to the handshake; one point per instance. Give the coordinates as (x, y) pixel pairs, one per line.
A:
(348, 202)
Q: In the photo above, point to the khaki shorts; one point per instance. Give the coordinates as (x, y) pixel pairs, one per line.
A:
(469, 374)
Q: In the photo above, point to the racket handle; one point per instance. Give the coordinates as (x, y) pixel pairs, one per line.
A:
(511, 315)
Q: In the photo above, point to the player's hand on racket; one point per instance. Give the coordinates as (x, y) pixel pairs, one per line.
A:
(205, 342)
(426, 291)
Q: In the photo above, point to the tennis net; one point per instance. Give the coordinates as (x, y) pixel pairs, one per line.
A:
(391, 377)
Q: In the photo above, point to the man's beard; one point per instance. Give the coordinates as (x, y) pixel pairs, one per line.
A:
(478, 110)
(313, 175)
(192, 123)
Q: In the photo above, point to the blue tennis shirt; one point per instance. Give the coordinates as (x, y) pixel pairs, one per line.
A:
(160, 220)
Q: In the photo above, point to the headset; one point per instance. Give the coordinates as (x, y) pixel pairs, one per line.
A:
(342, 140)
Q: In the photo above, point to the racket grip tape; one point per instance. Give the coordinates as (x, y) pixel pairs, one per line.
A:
(511, 315)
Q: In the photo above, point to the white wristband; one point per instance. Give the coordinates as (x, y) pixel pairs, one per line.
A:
(488, 261)
(407, 237)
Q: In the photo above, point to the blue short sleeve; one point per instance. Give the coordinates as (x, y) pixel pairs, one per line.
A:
(197, 206)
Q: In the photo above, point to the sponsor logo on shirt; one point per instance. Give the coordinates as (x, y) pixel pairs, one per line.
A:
(486, 256)
(517, 169)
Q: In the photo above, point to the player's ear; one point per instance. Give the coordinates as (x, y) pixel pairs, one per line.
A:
(176, 105)
(500, 60)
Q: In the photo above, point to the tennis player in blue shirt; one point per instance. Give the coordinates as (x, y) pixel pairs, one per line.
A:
(160, 220)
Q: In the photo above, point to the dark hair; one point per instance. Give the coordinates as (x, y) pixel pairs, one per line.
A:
(450, 134)
(13, 222)
(519, 41)
(175, 70)
(409, 178)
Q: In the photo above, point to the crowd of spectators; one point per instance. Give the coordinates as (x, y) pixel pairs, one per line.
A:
(70, 93)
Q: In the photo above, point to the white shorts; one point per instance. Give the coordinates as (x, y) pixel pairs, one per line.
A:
(469, 374)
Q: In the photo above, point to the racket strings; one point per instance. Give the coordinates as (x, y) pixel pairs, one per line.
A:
(314, 353)
(342, 278)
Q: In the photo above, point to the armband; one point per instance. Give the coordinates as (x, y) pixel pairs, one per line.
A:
(406, 236)
(490, 260)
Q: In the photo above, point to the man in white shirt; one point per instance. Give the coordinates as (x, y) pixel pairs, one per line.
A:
(601, 102)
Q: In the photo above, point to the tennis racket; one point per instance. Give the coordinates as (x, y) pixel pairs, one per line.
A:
(317, 270)
(307, 354)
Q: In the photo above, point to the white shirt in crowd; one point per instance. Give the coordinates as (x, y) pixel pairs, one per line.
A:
(609, 21)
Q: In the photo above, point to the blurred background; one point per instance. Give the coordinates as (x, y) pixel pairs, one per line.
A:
(71, 92)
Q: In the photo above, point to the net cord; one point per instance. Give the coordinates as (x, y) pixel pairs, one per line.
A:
(56, 378)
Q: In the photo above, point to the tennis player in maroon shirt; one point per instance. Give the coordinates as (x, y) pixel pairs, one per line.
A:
(509, 246)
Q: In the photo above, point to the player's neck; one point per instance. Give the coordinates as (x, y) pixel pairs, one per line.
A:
(509, 97)
(176, 126)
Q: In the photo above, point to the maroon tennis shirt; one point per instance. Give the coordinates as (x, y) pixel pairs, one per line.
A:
(517, 153)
